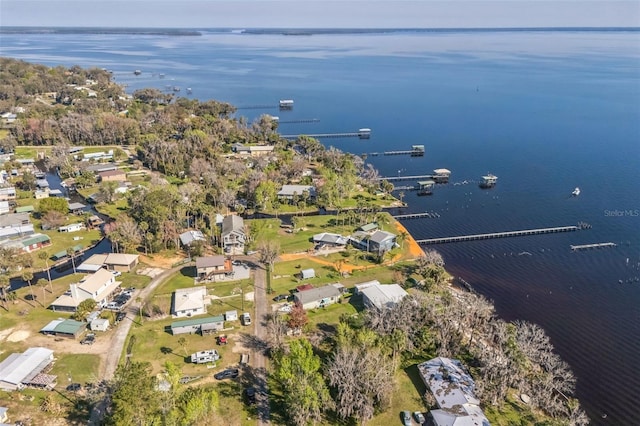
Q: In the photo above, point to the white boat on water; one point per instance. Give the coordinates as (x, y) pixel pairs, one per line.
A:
(576, 192)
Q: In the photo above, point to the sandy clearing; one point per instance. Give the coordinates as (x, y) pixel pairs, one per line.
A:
(5, 333)
(18, 336)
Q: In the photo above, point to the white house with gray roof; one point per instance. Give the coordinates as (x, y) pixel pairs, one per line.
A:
(288, 192)
(454, 392)
(382, 296)
(188, 302)
(317, 297)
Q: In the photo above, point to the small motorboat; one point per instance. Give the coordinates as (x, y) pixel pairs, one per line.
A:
(576, 192)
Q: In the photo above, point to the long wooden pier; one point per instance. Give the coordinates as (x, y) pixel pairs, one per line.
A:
(590, 246)
(411, 152)
(431, 215)
(493, 235)
(399, 178)
(302, 120)
(257, 107)
(330, 135)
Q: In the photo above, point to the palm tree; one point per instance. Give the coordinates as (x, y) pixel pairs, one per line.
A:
(402, 237)
(44, 255)
(43, 284)
(27, 276)
(4, 289)
(71, 253)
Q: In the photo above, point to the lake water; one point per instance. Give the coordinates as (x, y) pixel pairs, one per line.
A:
(545, 111)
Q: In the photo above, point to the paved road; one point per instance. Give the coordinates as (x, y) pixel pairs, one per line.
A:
(260, 296)
(120, 337)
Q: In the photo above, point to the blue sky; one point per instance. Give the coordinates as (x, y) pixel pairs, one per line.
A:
(315, 13)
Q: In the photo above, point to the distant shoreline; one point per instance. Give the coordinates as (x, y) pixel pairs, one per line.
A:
(295, 31)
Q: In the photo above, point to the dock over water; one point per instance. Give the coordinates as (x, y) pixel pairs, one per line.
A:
(493, 235)
(590, 246)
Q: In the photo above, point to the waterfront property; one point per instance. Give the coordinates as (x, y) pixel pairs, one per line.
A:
(454, 392)
(29, 368)
(189, 302)
(112, 176)
(329, 240)
(72, 227)
(381, 296)
(441, 175)
(121, 262)
(489, 181)
(98, 286)
(77, 208)
(378, 242)
(289, 193)
(205, 325)
(64, 328)
(233, 235)
(28, 243)
(317, 297)
(213, 267)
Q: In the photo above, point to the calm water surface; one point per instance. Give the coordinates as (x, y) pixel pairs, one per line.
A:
(544, 111)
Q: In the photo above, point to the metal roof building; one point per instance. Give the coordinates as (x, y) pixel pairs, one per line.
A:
(197, 325)
(382, 296)
(23, 369)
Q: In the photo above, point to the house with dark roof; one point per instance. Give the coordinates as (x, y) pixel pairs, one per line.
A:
(453, 389)
(213, 267)
(317, 297)
(378, 242)
(233, 235)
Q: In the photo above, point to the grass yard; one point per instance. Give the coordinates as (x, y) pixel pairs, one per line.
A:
(76, 368)
(26, 152)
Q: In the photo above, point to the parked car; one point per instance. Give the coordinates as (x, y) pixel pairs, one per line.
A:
(120, 316)
(245, 319)
(116, 273)
(280, 297)
(229, 373)
(89, 339)
(419, 417)
(406, 418)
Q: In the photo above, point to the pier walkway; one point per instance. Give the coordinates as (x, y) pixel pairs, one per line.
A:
(431, 215)
(399, 178)
(329, 135)
(302, 120)
(499, 235)
(590, 246)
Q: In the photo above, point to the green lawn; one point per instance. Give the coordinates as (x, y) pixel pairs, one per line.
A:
(76, 368)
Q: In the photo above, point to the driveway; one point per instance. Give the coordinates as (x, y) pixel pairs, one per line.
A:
(120, 336)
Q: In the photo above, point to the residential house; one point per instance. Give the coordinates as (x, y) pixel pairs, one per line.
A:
(122, 262)
(378, 242)
(290, 192)
(8, 193)
(252, 150)
(453, 389)
(19, 370)
(112, 176)
(64, 328)
(28, 243)
(329, 240)
(189, 237)
(317, 297)
(94, 221)
(98, 286)
(233, 235)
(39, 194)
(93, 263)
(15, 225)
(382, 296)
(76, 208)
(72, 227)
(203, 325)
(213, 267)
(189, 302)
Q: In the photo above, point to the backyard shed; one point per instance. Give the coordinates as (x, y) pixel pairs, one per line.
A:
(306, 274)
(99, 324)
(231, 316)
(65, 328)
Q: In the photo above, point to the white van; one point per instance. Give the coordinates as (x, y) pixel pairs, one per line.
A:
(245, 319)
